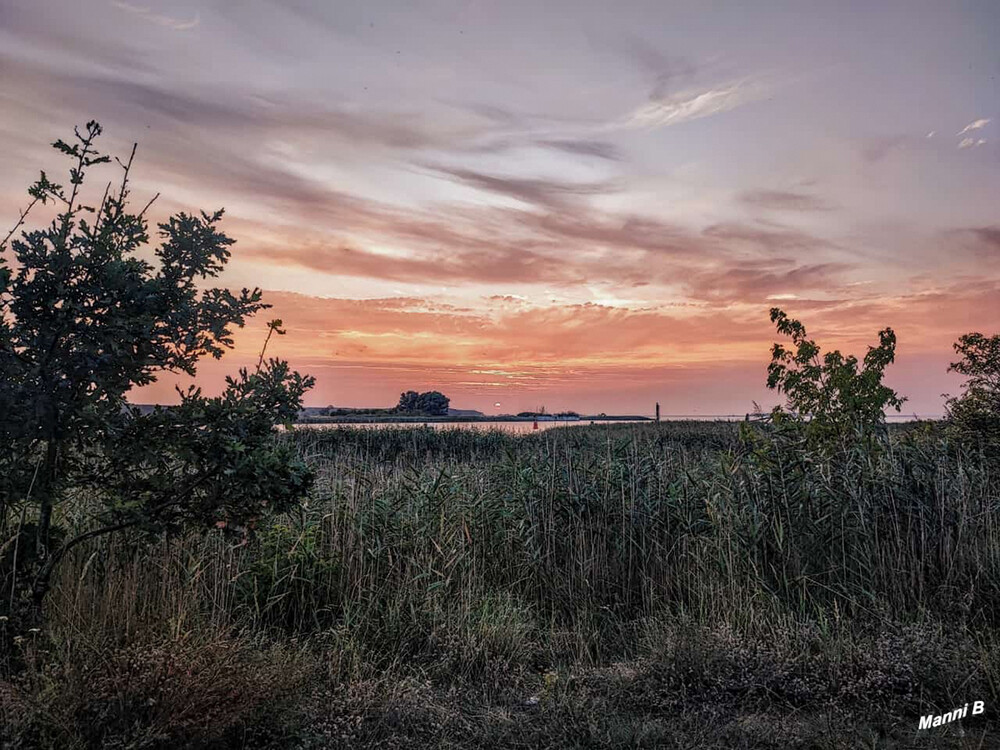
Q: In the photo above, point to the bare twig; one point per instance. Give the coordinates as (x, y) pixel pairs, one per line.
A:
(146, 207)
(20, 221)
(100, 212)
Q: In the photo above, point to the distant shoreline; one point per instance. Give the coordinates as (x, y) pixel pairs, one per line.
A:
(375, 418)
(459, 419)
(360, 419)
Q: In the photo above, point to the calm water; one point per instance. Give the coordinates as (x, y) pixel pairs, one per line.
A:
(527, 427)
(515, 427)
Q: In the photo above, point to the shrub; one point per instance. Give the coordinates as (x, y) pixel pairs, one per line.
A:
(975, 415)
(83, 319)
(834, 398)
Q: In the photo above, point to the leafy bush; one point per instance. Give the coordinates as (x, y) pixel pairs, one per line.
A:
(834, 398)
(83, 319)
(975, 414)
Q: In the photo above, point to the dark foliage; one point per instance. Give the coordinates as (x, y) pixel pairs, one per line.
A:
(976, 413)
(833, 397)
(83, 319)
(429, 403)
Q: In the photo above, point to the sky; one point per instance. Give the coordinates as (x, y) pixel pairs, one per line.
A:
(578, 205)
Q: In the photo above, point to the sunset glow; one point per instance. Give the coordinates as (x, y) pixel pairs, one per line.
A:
(525, 205)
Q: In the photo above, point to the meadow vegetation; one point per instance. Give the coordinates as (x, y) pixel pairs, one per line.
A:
(664, 585)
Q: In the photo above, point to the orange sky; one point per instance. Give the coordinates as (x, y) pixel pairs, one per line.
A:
(581, 206)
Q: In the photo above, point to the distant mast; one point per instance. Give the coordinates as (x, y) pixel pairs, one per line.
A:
(657, 411)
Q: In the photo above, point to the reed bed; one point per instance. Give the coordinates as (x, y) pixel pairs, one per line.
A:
(578, 566)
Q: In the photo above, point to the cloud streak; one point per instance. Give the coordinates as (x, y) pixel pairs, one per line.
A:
(691, 105)
(975, 125)
(534, 191)
(161, 20)
(783, 200)
(584, 147)
(971, 142)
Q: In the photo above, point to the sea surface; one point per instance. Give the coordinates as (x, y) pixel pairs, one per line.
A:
(520, 427)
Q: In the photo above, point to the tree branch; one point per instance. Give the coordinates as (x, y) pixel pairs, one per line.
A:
(20, 221)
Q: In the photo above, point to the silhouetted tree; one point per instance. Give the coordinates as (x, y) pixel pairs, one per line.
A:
(431, 403)
(831, 394)
(409, 402)
(434, 403)
(976, 413)
(83, 319)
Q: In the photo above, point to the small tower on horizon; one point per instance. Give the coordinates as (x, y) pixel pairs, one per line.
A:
(657, 411)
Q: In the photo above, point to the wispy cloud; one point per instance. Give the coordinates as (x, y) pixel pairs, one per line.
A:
(673, 110)
(584, 147)
(762, 280)
(668, 71)
(161, 20)
(971, 142)
(982, 244)
(875, 149)
(975, 125)
(782, 200)
(541, 192)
